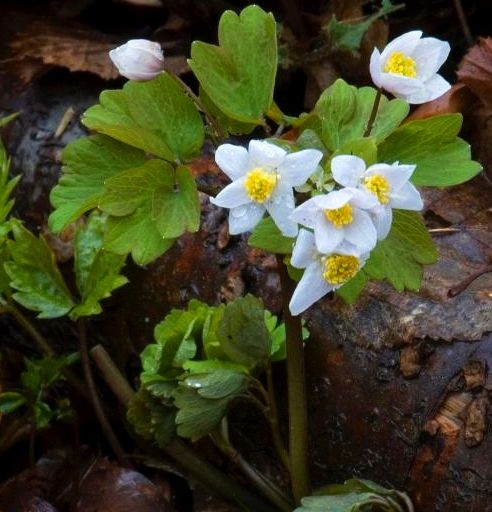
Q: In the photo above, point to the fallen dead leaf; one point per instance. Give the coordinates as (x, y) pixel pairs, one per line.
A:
(72, 46)
(475, 70)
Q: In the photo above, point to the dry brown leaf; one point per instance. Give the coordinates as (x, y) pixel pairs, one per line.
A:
(475, 70)
(71, 46)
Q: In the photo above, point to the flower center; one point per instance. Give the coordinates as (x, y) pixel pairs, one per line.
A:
(400, 64)
(339, 268)
(260, 184)
(379, 186)
(340, 216)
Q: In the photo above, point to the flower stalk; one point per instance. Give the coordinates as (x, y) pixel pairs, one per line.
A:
(296, 392)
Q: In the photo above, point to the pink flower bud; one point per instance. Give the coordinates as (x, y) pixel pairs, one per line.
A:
(138, 59)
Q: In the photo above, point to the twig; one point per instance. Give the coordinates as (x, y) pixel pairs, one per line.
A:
(98, 409)
(463, 22)
(460, 287)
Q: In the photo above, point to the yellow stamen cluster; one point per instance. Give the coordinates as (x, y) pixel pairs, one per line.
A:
(339, 217)
(260, 184)
(400, 64)
(339, 268)
(379, 186)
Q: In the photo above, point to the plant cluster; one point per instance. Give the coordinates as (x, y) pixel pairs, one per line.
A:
(333, 193)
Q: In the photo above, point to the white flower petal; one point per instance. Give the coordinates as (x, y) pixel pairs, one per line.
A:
(433, 88)
(361, 232)
(333, 200)
(429, 56)
(361, 198)
(138, 59)
(231, 196)
(265, 154)
(347, 169)
(305, 213)
(296, 168)
(375, 67)
(399, 85)
(327, 236)
(244, 218)
(406, 43)
(280, 207)
(382, 216)
(233, 160)
(311, 288)
(304, 249)
(407, 198)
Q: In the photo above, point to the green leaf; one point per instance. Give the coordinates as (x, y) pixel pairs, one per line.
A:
(87, 163)
(35, 276)
(442, 158)
(151, 418)
(156, 116)
(6, 185)
(399, 257)
(11, 401)
(242, 332)
(218, 383)
(352, 502)
(97, 271)
(239, 75)
(342, 112)
(226, 124)
(43, 414)
(197, 416)
(364, 148)
(268, 237)
(170, 194)
(348, 35)
(42, 373)
(136, 234)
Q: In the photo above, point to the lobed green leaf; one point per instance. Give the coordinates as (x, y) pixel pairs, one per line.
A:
(35, 276)
(155, 116)
(87, 163)
(442, 158)
(238, 76)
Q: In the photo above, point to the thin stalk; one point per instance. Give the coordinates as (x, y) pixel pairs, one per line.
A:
(24, 322)
(98, 408)
(44, 346)
(374, 112)
(270, 414)
(210, 120)
(268, 488)
(296, 392)
(213, 479)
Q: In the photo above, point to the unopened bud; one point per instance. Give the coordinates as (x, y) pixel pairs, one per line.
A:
(138, 59)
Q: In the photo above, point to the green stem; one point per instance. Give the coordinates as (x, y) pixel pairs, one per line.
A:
(374, 112)
(296, 391)
(212, 478)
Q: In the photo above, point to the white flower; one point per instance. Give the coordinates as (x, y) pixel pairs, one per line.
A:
(138, 59)
(408, 66)
(388, 183)
(262, 179)
(339, 216)
(324, 272)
